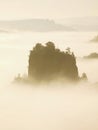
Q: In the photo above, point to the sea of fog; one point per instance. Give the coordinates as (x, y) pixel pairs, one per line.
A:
(53, 106)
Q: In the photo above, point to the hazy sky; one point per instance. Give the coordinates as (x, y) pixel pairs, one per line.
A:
(17, 9)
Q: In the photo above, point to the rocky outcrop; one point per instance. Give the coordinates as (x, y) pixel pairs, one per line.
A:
(93, 55)
(48, 63)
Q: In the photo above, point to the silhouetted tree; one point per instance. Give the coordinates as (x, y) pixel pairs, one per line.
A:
(50, 45)
(68, 50)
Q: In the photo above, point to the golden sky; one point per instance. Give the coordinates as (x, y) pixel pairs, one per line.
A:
(21, 9)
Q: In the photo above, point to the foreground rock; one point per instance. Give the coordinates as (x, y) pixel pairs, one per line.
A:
(49, 63)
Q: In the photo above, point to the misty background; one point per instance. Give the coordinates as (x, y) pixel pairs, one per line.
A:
(55, 106)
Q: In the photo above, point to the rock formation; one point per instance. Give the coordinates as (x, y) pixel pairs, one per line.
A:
(48, 63)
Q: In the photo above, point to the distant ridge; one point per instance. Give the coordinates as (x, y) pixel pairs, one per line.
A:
(93, 55)
(36, 25)
(81, 23)
(95, 39)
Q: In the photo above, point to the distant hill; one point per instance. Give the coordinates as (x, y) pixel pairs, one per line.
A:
(37, 25)
(95, 39)
(81, 23)
(4, 31)
(92, 56)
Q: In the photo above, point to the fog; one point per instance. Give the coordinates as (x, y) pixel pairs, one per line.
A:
(59, 107)
(55, 106)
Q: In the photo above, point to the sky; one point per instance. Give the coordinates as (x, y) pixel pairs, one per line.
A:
(50, 9)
